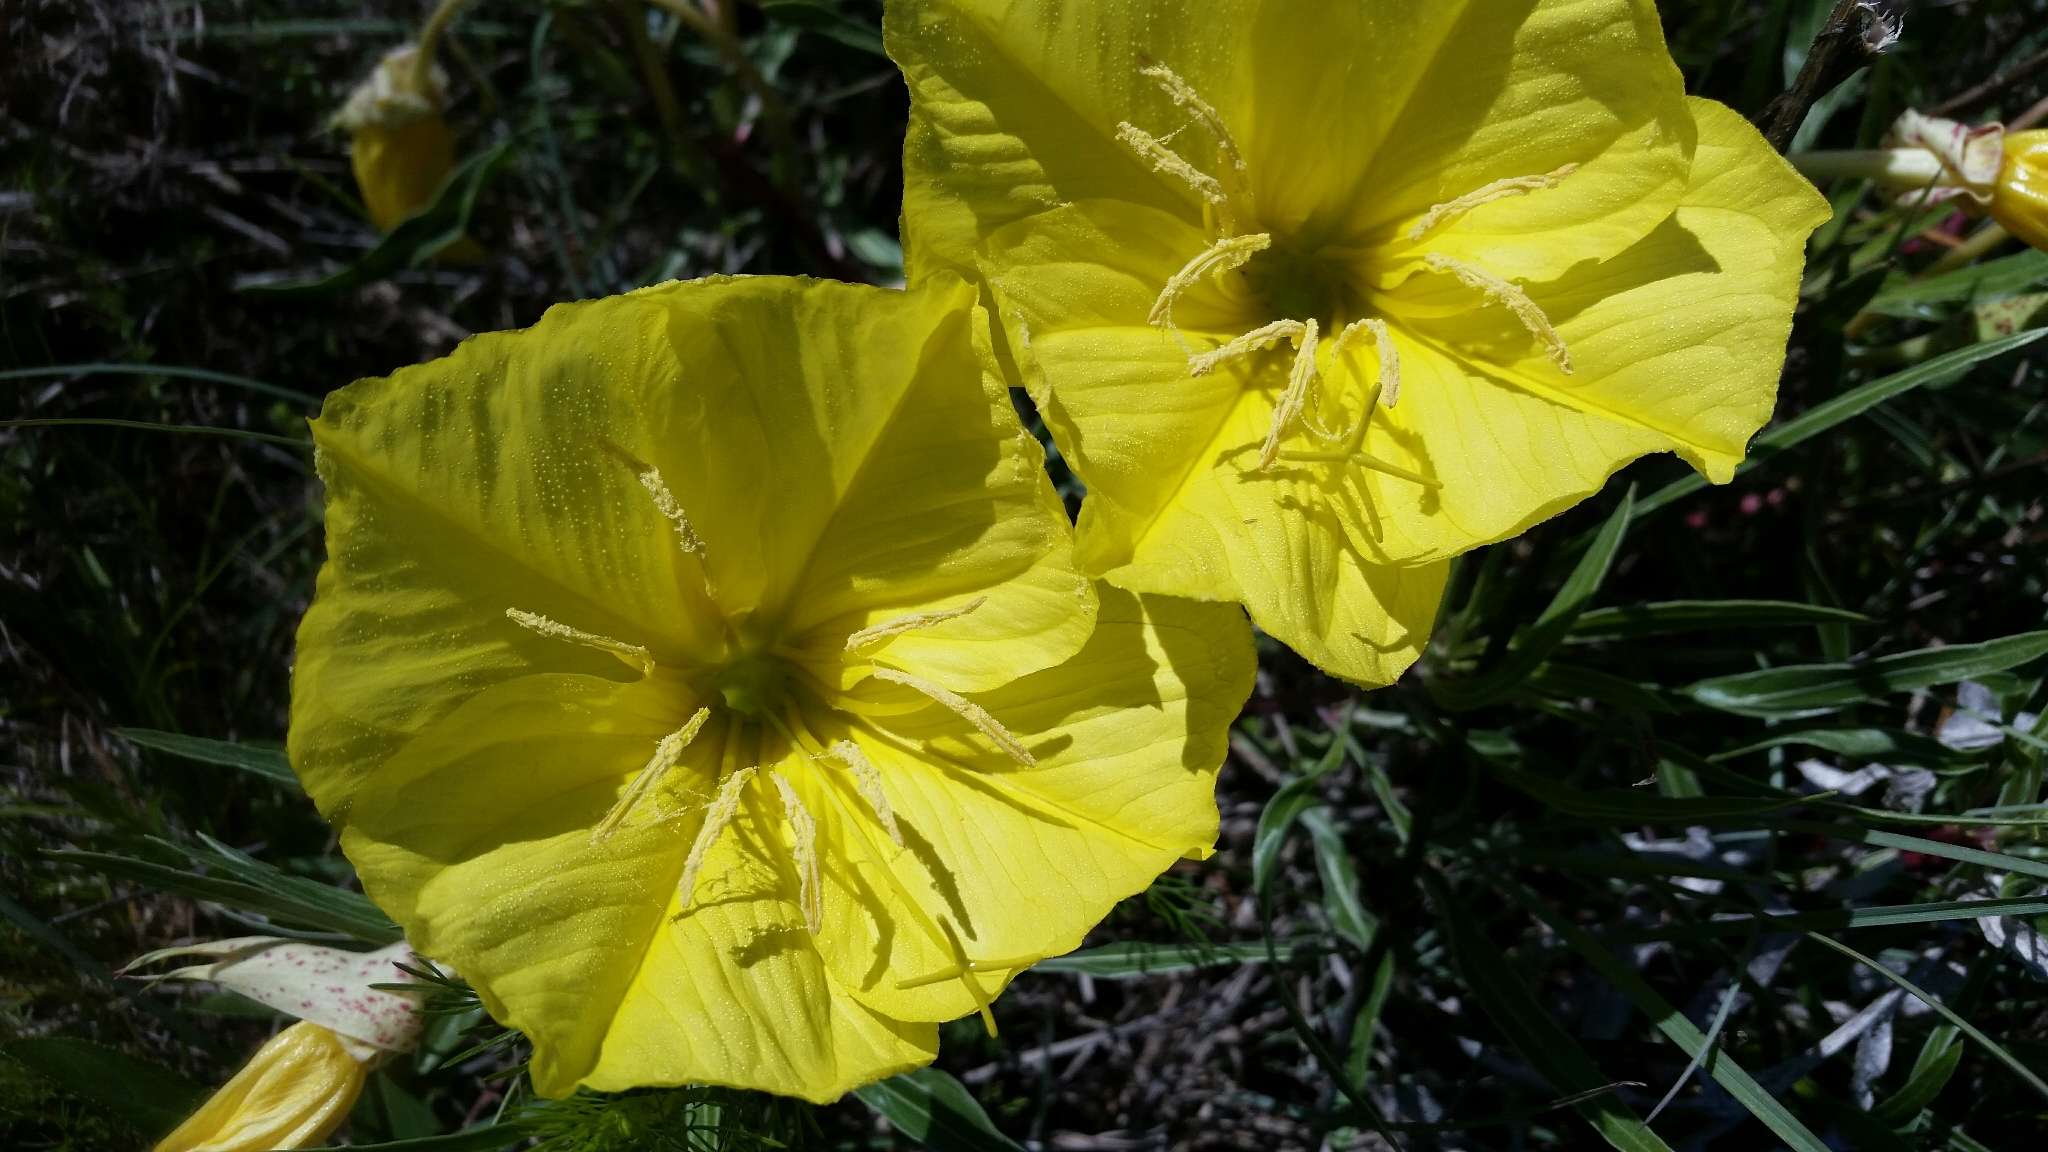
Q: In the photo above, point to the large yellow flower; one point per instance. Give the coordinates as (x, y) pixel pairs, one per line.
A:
(1316, 295)
(704, 675)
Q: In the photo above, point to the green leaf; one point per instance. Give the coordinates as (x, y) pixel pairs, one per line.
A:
(237, 881)
(1340, 880)
(416, 240)
(934, 1109)
(1535, 643)
(1294, 798)
(268, 763)
(1670, 616)
(1669, 1020)
(1134, 959)
(1815, 689)
(1847, 406)
(1889, 745)
(1838, 918)
(168, 371)
(1996, 1049)
(1976, 284)
(1619, 806)
(1527, 1026)
(153, 1099)
(1939, 1058)
(1946, 851)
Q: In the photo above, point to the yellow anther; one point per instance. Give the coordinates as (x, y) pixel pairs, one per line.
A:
(804, 847)
(974, 988)
(667, 753)
(868, 781)
(1255, 340)
(964, 708)
(1165, 160)
(673, 509)
(1511, 297)
(890, 629)
(721, 813)
(632, 654)
(1295, 398)
(1498, 190)
(1225, 255)
(1234, 176)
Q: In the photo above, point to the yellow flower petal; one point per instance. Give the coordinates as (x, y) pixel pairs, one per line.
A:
(1127, 738)
(399, 168)
(293, 1093)
(1677, 345)
(2020, 200)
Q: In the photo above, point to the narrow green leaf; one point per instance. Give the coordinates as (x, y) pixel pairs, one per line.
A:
(1669, 1020)
(1671, 616)
(153, 426)
(934, 1109)
(268, 763)
(1814, 689)
(1889, 745)
(1849, 405)
(1939, 1058)
(1919, 299)
(1134, 959)
(482, 1139)
(169, 371)
(1535, 643)
(1925, 847)
(249, 886)
(1996, 1049)
(1340, 880)
(1630, 807)
(826, 20)
(1287, 805)
(152, 1098)
(416, 240)
(1840, 918)
(1527, 1026)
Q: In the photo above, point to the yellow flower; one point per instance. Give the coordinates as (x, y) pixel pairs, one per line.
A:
(399, 146)
(2020, 200)
(1317, 296)
(704, 675)
(294, 1092)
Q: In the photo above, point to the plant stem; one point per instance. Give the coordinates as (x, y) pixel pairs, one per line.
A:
(430, 34)
(1890, 165)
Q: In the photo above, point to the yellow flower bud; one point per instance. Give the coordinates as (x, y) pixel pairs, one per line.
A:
(2020, 201)
(293, 1093)
(399, 144)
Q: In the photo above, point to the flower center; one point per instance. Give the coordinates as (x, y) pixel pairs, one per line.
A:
(755, 686)
(1316, 296)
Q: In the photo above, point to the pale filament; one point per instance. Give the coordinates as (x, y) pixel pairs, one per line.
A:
(1225, 255)
(1511, 297)
(868, 781)
(667, 754)
(632, 654)
(1450, 210)
(724, 808)
(890, 629)
(804, 848)
(964, 708)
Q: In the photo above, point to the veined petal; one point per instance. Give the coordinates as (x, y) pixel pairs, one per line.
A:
(1015, 108)
(294, 1092)
(1677, 343)
(478, 838)
(1527, 88)
(478, 483)
(1127, 738)
(736, 982)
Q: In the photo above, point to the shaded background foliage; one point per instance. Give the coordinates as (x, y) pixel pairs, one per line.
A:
(1484, 889)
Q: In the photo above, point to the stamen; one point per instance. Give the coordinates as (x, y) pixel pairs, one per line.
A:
(964, 708)
(1511, 297)
(974, 988)
(868, 780)
(1498, 190)
(1225, 255)
(1390, 359)
(1236, 186)
(890, 629)
(673, 509)
(1255, 340)
(632, 654)
(667, 753)
(804, 829)
(1165, 160)
(1295, 398)
(721, 813)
